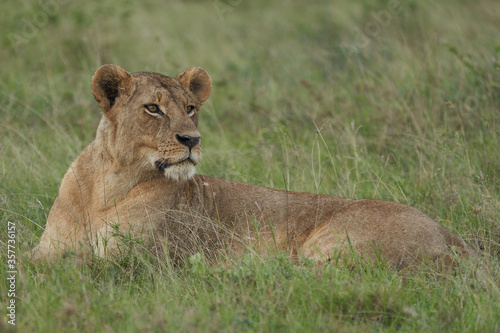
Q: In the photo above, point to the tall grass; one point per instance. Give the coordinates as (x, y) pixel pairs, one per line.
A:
(411, 116)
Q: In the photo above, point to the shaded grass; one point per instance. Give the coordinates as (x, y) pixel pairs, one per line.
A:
(251, 294)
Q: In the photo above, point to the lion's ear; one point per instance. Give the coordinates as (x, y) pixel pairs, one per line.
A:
(197, 80)
(108, 83)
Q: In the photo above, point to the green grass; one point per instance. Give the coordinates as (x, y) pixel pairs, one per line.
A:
(413, 117)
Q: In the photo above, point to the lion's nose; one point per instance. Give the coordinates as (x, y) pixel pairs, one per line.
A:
(187, 140)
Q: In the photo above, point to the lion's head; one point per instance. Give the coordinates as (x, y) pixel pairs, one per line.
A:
(150, 120)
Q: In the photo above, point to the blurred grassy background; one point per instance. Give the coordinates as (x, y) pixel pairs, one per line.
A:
(320, 96)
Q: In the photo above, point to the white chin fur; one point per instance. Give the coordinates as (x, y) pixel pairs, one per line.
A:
(180, 172)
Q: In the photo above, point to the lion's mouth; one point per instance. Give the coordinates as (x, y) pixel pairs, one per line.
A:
(162, 165)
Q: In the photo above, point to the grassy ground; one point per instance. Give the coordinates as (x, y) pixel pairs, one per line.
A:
(362, 99)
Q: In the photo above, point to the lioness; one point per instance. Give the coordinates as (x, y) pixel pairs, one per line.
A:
(137, 180)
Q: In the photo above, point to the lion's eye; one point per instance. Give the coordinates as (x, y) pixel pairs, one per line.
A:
(190, 110)
(153, 108)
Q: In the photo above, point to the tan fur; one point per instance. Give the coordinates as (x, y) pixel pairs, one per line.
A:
(137, 179)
